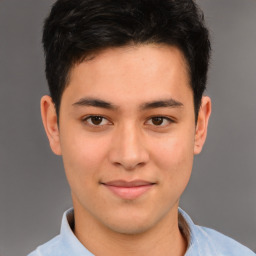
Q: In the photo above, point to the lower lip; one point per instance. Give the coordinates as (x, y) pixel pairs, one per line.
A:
(129, 193)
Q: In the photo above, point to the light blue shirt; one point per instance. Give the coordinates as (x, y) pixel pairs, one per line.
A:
(202, 241)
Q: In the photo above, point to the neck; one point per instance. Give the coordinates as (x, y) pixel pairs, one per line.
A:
(164, 239)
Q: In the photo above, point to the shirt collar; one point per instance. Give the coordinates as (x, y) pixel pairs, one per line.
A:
(72, 244)
(74, 247)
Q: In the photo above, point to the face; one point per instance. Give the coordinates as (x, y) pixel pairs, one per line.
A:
(127, 135)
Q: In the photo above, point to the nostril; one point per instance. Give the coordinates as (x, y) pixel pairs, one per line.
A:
(129, 166)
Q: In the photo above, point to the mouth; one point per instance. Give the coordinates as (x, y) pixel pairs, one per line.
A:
(129, 190)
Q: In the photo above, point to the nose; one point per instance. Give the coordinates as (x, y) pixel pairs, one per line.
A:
(128, 148)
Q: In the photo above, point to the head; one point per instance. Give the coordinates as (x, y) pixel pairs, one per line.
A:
(76, 30)
(126, 81)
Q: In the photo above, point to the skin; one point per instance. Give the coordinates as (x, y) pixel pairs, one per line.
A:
(131, 140)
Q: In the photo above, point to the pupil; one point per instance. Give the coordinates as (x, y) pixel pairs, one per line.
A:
(157, 120)
(96, 120)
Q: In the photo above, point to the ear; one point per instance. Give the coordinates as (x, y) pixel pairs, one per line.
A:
(50, 122)
(202, 124)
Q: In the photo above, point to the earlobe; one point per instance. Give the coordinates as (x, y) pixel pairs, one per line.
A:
(50, 122)
(202, 124)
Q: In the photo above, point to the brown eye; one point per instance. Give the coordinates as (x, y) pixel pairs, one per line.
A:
(96, 120)
(157, 120)
(161, 121)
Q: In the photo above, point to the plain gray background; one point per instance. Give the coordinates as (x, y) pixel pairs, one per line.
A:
(33, 189)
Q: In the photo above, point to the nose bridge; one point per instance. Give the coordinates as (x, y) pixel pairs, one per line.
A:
(128, 148)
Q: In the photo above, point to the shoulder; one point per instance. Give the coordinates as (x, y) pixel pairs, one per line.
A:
(221, 244)
(206, 241)
(54, 247)
(64, 244)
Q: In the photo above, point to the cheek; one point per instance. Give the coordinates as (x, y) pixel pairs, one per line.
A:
(174, 156)
(83, 155)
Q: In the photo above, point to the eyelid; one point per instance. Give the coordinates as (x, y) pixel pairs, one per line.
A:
(169, 119)
(87, 117)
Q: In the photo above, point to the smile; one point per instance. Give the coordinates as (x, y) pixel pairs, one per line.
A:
(129, 190)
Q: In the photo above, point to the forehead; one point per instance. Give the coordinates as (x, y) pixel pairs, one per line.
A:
(146, 55)
(141, 71)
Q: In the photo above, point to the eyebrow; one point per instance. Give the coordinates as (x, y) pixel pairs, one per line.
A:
(162, 104)
(94, 102)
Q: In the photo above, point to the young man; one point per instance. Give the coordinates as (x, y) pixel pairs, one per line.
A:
(127, 115)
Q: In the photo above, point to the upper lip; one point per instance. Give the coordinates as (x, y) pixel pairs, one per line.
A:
(128, 184)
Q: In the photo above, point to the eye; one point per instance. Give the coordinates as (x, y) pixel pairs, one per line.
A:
(96, 120)
(159, 121)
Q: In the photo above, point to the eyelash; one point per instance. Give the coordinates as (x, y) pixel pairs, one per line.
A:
(164, 118)
(85, 119)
